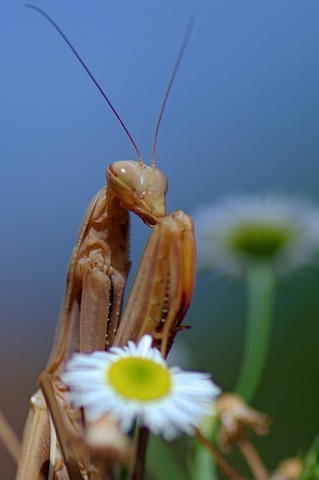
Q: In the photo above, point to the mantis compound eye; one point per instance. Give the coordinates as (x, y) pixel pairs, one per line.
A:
(123, 174)
(162, 181)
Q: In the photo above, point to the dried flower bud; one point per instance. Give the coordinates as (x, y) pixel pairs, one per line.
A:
(104, 438)
(288, 469)
(236, 419)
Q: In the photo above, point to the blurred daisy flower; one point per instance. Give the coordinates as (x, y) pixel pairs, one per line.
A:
(276, 228)
(134, 383)
(257, 237)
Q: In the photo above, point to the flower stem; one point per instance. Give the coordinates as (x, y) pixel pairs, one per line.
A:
(201, 463)
(138, 467)
(260, 299)
(253, 459)
(220, 460)
(9, 437)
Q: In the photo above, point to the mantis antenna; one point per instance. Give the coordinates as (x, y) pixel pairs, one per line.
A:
(177, 63)
(170, 83)
(89, 73)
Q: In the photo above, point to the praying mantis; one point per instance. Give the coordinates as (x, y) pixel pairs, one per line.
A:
(90, 317)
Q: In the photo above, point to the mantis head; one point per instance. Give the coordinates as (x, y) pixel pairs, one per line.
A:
(139, 188)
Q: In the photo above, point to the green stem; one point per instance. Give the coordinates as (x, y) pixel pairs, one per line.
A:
(226, 468)
(260, 300)
(201, 464)
(160, 460)
(204, 466)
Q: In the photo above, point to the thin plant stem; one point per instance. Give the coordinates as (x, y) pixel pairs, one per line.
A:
(137, 469)
(260, 300)
(9, 438)
(201, 464)
(220, 460)
(253, 459)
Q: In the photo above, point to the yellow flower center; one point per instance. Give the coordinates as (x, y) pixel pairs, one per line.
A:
(139, 378)
(261, 240)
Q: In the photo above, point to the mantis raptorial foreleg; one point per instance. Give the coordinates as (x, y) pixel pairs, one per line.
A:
(163, 287)
(90, 314)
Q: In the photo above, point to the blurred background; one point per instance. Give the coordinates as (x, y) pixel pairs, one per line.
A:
(243, 116)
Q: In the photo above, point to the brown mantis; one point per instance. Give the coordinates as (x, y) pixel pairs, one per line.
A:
(90, 317)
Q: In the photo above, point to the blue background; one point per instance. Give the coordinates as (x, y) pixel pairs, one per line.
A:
(243, 116)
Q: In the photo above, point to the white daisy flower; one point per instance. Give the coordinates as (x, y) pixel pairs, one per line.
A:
(134, 383)
(281, 229)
